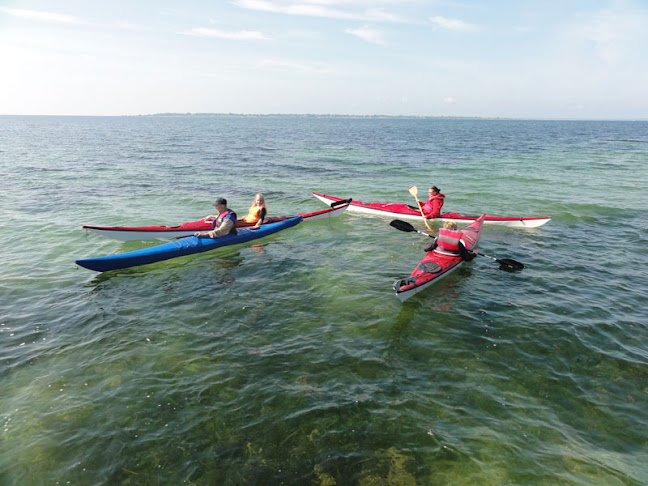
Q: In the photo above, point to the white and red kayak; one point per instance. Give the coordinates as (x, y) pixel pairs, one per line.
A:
(412, 213)
(436, 264)
(139, 233)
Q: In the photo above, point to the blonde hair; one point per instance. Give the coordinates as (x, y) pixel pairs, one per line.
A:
(257, 195)
(451, 225)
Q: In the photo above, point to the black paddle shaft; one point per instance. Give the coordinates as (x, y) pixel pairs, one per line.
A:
(504, 262)
(340, 202)
(405, 226)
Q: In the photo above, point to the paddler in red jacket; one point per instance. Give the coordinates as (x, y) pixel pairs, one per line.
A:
(224, 222)
(432, 207)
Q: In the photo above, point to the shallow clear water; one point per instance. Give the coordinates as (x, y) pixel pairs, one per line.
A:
(290, 360)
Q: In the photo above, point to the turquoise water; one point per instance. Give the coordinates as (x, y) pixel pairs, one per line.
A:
(290, 361)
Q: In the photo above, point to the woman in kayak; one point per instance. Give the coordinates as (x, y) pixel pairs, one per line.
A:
(449, 242)
(224, 223)
(257, 212)
(432, 207)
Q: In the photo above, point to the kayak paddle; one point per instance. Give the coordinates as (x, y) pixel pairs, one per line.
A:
(340, 202)
(405, 226)
(504, 262)
(413, 190)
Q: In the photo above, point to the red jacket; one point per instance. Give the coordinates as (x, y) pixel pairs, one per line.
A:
(432, 207)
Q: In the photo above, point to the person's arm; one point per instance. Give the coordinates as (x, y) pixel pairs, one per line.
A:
(262, 216)
(432, 245)
(465, 253)
(224, 229)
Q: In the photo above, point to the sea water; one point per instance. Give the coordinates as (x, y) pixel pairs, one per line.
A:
(290, 360)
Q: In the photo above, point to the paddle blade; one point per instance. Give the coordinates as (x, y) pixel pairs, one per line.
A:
(505, 263)
(509, 265)
(402, 225)
(413, 190)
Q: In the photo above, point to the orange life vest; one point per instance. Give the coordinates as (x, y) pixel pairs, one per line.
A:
(254, 213)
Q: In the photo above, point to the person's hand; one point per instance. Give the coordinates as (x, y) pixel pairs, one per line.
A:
(198, 233)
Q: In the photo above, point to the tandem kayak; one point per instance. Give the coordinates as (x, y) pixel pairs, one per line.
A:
(182, 247)
(435, 264)
(412, 213)
(140, 233)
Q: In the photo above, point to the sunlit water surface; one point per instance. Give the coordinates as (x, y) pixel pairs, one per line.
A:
(290, 361)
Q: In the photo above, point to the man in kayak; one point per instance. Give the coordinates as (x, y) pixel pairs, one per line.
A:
(449, 242)
(224, 223)
(257, 212)
(432, 207)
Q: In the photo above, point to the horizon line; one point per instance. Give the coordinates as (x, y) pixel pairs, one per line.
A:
(324, 115)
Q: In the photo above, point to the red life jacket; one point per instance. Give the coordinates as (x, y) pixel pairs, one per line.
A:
(432, 207)
(448, 241)
(222, 216)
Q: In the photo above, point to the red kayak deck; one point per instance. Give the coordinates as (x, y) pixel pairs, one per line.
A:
(436, 264)
(412, 213)
(136, 233)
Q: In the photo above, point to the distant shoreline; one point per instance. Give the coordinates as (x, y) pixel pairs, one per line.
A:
(335, 116)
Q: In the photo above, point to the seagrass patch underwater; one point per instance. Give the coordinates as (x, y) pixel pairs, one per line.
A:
(290, 360)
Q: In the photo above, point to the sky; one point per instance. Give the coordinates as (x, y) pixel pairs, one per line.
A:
(532, 59)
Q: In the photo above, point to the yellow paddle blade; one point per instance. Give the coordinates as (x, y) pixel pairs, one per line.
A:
(414, 192)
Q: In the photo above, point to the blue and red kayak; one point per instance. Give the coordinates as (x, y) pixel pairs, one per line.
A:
(182, 247)
(437, 264)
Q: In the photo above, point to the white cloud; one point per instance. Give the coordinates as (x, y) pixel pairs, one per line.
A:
(379, 15)
(318, 9)
(303, 35)
(449, 100)
(293, 66)
(452, 24)
(614, 34)
(523, 29)
(351, 2)
(221, 34)
(42, 16)
(368, 34)
(130, 26)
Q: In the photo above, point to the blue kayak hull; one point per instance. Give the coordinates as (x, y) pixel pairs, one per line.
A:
(185, 246)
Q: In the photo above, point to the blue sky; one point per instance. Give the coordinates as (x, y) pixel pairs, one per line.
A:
(569, 59)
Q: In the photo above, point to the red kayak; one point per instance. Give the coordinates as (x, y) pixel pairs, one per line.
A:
(136, 233)
(437, 264)
(412, 213)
